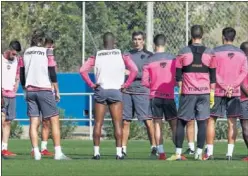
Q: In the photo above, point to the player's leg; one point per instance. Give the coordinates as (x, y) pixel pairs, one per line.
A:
(202, 114)
(45, 135)
(49, 111)
(190, 133)
(127, 117)
(34, 115)
(186, 112)
(244, 124)
(10, 113)
(157, 114)
(143, 111)
(233, 112)
(218, 110)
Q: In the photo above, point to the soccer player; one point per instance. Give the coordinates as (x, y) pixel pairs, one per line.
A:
(159, 76)
(230, 72)
(49, 44)
(10, 83)
(136, 97)
(195, 74)
(109, 66)
(37, 77)
(244, 102)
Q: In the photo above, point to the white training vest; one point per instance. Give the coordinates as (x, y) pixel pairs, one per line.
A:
(109, 69)
(9, 69)
(36, 67)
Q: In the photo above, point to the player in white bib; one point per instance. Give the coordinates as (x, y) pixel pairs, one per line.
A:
(37, 77)
(10, 82)
(109, 65)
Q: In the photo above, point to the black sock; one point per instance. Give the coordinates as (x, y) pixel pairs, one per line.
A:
(201, 135)
(180, 133)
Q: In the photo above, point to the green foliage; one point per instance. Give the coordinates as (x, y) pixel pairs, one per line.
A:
(66, 127)
(16, 130)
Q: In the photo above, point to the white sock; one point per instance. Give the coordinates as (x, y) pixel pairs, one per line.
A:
(58, 150)
(191, 146)
(199, 151)
(124, 148)
(43, 145)
(36, 150)
(160, 148)
(96, 150)
(153, 146)
(4, 146)
(178, 151)
(118, 151)
(230, 148)
(210, 149)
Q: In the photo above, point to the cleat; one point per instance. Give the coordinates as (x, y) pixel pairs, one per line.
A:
(119, 157)
(207, 157)
(177, 158)
(198, 157)
(245, 159)
(154, 152)
(97, 157)
(123, 153)
(189, 152)
(162, 156)
(46, 153)
(61, 157)
(37, 156)
(229, 158)
(7, 153)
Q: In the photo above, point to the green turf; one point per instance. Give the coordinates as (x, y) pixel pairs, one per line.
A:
(137, 163)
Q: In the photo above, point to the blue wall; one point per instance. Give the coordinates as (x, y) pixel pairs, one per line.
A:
(74, 106)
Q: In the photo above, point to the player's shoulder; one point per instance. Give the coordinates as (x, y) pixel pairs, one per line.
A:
(209, 50)
(184, 50)
(149, 53)
(232, 48)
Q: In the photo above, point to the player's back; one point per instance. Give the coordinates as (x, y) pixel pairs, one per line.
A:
(109, 69)
(230, 60)
(162, 70)
(36, 64)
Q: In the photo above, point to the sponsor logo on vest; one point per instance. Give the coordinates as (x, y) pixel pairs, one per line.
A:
(8, 67)
(198, 88)
(36, 52)
(108, 53)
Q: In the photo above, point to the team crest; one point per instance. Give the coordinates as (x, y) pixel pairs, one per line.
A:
(163, 64)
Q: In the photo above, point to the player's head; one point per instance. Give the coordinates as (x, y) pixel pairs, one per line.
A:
(49, 43)
(138, 38)
(38, 38)
(228, 35)
(108, 40)
(196, 32)
(159, 41)
(244, 47)
(14, 48)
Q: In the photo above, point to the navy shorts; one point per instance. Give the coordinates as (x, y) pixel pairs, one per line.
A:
(41, 102)
(194, 107)
(163, 108)
(9, 108)
(223, 106)
(107, 96)
(136, 104)
(244, 110)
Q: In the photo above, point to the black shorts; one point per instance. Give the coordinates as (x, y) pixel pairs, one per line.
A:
(244, 110)
(166, 108)
(194, 107)
(223, 106)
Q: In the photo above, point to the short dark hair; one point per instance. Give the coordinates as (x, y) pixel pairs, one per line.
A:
(15, 45)
(38, 37)
(229, 33)
(136, 33)
(49, 40)
(196, 31)
(244, 47)
(159, 40)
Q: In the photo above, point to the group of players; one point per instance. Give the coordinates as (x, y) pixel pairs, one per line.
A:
(209, 87)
